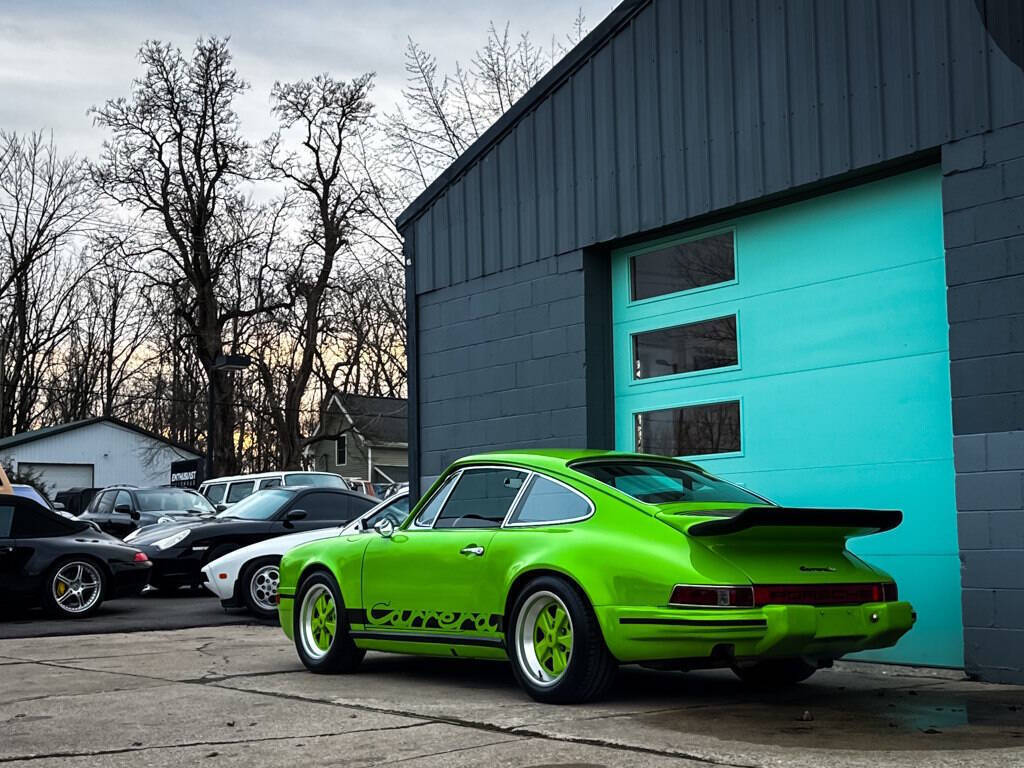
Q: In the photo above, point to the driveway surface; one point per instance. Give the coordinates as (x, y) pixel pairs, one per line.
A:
(153, 610)
(237, 696)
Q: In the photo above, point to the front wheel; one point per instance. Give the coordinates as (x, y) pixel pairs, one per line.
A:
(74, 588)
(557, 649)
(321, 629)
(774, 673)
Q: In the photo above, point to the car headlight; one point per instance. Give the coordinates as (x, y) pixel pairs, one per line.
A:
(173, 539)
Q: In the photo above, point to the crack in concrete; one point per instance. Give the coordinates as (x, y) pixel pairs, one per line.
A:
(447, 752)
(213, 743)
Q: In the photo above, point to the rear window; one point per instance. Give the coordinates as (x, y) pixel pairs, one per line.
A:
(310, 478)
(665, 483)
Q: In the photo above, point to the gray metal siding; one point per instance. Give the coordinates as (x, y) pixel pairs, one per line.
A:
(698, 105)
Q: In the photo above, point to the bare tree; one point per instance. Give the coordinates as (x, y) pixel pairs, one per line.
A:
(44, 201)
(321, 116)
(176, 156)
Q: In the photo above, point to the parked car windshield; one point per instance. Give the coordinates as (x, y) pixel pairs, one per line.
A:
(310, 478)
(172, 500)
(654, 483)
(259, 506)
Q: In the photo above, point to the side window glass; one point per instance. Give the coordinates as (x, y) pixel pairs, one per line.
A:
(6, 519)
(123, 498)
(549, 502)
(106, 503)
(215, 493)
(324, 506)
(239, 491)
(425, 518)
(481, 498)
(270, 482)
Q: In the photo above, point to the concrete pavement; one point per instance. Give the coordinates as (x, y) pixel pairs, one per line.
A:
(238, 696)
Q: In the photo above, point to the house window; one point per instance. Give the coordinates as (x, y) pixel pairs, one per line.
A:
(683, 266)
(685, 348)
(341, 451)
(692, 430)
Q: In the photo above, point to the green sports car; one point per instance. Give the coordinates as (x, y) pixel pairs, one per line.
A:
(570, 563)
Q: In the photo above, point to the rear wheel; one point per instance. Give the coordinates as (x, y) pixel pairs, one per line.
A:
(774, 673)
(321, 629)
(558, 651)
(74, 588)
(259, 587)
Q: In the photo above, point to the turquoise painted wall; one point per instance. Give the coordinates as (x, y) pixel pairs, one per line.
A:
(843, 377)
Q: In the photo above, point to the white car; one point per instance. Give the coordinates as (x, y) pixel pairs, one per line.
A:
(248, 577)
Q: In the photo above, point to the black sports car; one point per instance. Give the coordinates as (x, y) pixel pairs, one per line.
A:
(180, 550)
(65, 565)
(119, 510)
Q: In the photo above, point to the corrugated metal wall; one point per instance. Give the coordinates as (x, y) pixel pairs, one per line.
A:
(697, 105)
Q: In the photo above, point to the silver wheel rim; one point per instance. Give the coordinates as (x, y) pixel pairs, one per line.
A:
(263, 587)
(527, 657)
(306, 629)
(77, 586)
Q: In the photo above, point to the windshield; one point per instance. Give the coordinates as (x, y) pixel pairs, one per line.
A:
(313, 478)
(172, 500)
(259, 506)
(656, 483)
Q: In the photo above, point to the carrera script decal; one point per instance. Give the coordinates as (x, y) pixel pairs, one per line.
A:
(383, 615)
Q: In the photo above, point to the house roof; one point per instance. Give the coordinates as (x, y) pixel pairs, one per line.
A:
(558, 74)
(39, 434)
(379, 420)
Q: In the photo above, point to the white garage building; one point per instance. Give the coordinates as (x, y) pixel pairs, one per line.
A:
(93, 453)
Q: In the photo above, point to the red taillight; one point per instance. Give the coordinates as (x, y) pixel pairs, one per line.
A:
(140, 557)
(714, 597)
(818, 594)
(890, 592)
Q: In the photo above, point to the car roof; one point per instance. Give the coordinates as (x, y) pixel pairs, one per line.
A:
(262, 475)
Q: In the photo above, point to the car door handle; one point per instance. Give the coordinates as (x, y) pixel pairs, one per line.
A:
(8, 550)
(473, 549)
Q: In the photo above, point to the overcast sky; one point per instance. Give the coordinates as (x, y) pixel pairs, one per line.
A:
(59, 57)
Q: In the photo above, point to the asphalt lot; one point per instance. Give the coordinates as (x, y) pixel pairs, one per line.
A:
(179, 609)
(237, 696)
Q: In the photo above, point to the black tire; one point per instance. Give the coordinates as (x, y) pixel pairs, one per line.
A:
(774, 673)
(256, 595)
(341, 654)
(590, 668)
(91, 572)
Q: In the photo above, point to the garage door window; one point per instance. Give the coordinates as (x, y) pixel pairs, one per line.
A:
(701, 346)
(683, 266)
(693, 430)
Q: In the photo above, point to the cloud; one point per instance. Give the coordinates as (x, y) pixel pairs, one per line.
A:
(58, 59)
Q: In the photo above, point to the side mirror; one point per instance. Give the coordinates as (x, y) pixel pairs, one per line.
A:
(295, 514)
(384, 527)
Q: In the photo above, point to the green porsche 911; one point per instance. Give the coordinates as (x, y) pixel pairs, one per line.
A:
(570, 563)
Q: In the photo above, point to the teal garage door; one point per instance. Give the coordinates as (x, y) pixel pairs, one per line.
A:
(803, 352)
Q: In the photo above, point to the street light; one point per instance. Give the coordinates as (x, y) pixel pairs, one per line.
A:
(220, 363)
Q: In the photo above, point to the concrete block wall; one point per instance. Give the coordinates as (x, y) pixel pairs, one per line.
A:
(983, 201)
(503, 363)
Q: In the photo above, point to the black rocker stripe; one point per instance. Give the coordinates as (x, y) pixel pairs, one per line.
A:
(285, 597)
(355, 615)
(698, 622)
(492, 642)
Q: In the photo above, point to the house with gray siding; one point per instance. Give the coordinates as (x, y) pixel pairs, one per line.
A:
(364, 438)
(782, 239)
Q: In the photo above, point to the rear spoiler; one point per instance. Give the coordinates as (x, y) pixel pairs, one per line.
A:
(862, 521)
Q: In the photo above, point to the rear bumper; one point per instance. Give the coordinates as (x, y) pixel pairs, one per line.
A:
(129, 579)
(655, 634)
